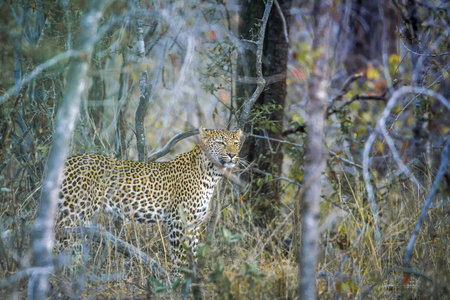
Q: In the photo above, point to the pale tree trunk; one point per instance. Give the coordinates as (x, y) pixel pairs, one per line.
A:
(315, 151)
(43, 232)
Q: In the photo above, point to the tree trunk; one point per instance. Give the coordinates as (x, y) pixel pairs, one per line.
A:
(366, 20)
(267, 154)
(141, 111)
(316, 153)
(97, 90)
(43, 235)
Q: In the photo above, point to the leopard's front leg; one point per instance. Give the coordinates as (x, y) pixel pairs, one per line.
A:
(182, 238)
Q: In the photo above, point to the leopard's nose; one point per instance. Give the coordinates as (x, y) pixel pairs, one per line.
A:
(231, 155)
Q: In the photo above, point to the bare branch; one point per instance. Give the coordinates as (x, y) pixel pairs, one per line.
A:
(381, 127)
(442, 168)
(283, 19)
(275, 177)
(38, 70)
(344, 88)
(423, 54)
(261, 83)
(101, 235)
(163, 151)
(332, 153)
(275, 140)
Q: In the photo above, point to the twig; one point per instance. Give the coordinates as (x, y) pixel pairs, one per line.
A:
(103, 236)
(283, 20)
(301, 146)
(261, 83)
(275, 177)
(344, 88)
(442, 168)
(275, 140)
(344, 159)
(36, 71)
(422, 54)
(332, 110)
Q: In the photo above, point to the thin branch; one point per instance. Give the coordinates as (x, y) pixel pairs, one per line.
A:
(261, 83)
(345, 87)
(423, 54)
(332, 110)
(283, 20)
(163, 151)
(101, 235)
(36, 71)
(332, 153)
(275, 177)
(381, 127)
(442, 168)
(269, 79)
(275, 140)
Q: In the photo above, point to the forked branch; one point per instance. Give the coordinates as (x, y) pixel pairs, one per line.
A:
(261, 82)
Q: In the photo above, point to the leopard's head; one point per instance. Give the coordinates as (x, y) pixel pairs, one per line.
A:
(221, 146)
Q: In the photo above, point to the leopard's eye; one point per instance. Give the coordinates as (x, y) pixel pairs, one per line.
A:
(220, 142)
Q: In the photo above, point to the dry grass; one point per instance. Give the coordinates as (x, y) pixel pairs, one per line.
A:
(245, 262)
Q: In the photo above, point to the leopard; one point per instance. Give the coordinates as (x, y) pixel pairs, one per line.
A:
(177, 192)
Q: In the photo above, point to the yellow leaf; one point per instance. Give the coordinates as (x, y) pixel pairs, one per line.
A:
(379, 147)
(300, 177)
(393, 62)
(394, 59)
(372, 73)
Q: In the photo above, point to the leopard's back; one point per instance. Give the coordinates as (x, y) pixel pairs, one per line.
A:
(122, 187)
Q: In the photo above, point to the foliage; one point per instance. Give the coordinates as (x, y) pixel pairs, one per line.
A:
(240, 260)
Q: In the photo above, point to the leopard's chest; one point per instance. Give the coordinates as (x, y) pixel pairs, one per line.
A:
(195, 193)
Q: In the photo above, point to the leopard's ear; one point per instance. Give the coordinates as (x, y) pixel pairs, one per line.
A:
(203, 133)
(241, 136)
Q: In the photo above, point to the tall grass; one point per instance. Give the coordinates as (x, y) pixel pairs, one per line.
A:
(244, 261)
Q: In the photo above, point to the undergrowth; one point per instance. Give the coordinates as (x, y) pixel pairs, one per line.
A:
(242, 261)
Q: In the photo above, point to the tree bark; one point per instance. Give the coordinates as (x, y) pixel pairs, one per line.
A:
(43, 232)
(267, 154)
(315, 151)
(97, 91)
(141, 111)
